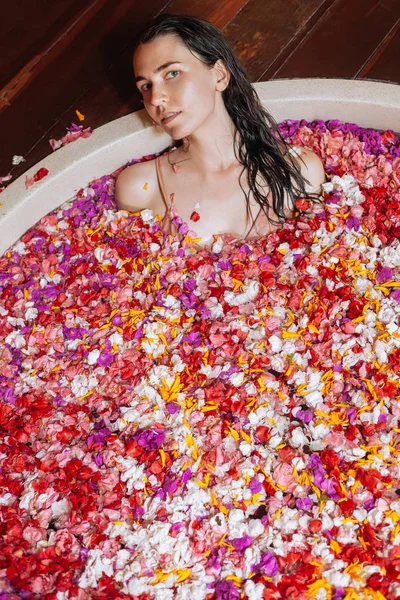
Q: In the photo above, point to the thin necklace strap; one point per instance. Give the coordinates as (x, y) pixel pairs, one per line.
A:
(254, 222)
(161, 183)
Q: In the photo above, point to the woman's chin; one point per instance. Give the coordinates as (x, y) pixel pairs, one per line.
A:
(177, 133)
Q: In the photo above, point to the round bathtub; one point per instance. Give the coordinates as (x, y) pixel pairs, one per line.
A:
(367, 103)
(178, 421)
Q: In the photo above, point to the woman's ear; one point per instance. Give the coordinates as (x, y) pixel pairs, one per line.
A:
(222, 76)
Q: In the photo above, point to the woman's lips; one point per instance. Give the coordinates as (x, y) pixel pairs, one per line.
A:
(169, 117)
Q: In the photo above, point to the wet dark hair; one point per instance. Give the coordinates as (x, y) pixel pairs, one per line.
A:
(258, 144)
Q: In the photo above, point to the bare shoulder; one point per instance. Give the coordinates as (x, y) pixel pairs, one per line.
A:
(136, 187)
(312, 169)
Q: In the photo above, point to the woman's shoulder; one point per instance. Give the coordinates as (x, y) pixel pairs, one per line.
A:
(136, 187)
(311, 167)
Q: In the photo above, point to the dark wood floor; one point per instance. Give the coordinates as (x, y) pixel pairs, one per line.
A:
(59, 56)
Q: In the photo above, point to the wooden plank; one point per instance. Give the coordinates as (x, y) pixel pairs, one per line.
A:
(385, 62)
(343, 39)
(28, 28)
(32, 69)
(291, 46)
(85, 57)
(218, 13)
(262, 30)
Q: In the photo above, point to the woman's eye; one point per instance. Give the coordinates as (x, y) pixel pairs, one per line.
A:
(172, 74)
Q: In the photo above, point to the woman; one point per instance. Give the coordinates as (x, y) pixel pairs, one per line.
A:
(230, 172)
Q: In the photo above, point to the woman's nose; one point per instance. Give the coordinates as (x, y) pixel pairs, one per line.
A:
(158, 95)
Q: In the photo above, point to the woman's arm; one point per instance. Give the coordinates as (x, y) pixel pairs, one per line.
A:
(312, 169)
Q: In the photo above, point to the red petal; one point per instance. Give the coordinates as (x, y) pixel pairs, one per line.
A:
(40, 174)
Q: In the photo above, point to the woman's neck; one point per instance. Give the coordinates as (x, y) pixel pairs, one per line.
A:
(211, 147)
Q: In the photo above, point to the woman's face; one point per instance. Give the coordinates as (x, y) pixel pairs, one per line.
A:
(179, 91)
